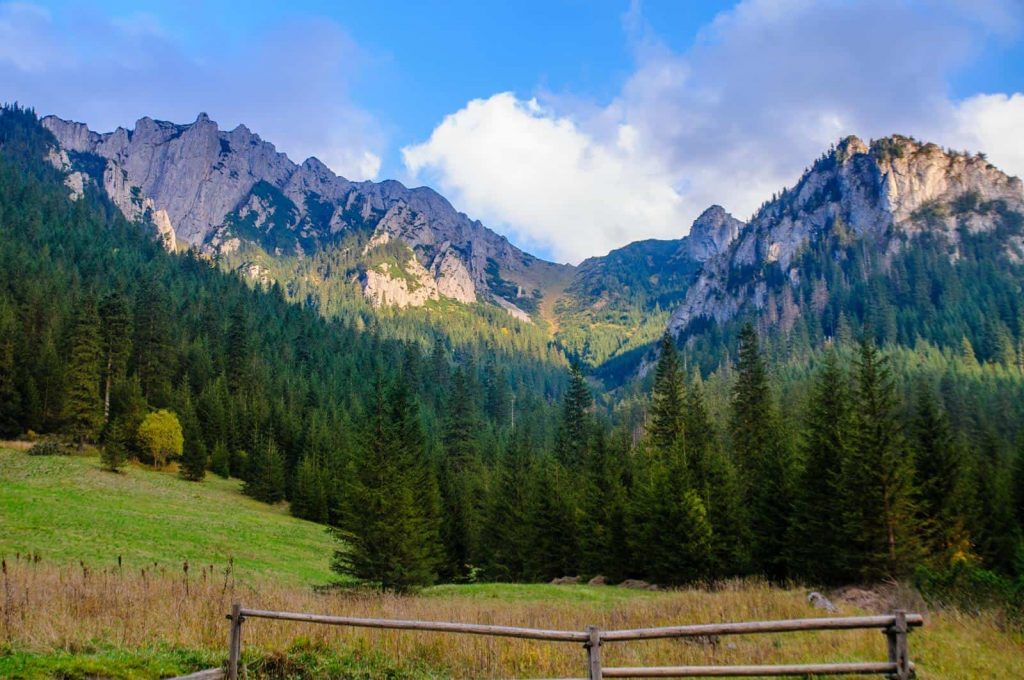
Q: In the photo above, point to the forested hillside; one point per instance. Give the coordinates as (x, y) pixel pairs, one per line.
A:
(879, 437)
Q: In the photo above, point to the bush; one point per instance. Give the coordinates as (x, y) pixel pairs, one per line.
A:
(971, 588)
(48, 448)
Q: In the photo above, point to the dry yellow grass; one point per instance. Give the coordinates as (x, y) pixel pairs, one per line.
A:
(47, 607)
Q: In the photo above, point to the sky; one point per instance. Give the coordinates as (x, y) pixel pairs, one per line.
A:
(571, 126)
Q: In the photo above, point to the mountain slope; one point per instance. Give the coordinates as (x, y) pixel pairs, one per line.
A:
(219, 189)
(621, 301)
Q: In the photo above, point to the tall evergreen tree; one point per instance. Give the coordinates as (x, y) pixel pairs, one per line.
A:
(115, 324)
(461, 480)
(389, 524)
(83, 410)
(266, 478)
(878, 477)
(666, 426)
(937, 469)
(818, 536)
(574, 430)
(763, 458)
(152, 347)
(10, 400)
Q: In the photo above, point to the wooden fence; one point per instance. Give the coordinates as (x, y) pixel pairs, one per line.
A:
(896, 626)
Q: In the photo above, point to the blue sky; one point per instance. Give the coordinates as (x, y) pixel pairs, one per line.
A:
(571, 126)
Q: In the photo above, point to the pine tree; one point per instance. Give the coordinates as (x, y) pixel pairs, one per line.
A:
(153, 355)
(762, 457)
(265, 480)
(937, 468)
(10, 400)
(309, 500)
(194, 459)
(220, 459)
(506, 536)
(83, 410)
(389, 526)
(818, 538)
(239, 352)
(117, 447)
(879, 508)
(574, 430)
(115, 322)
(461, 480)
(667, 402)
(669, 524)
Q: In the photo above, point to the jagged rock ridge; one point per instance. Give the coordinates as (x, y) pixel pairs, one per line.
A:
(210, 189)
(890, 192)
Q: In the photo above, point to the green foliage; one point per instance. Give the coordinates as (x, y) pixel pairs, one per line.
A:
(160, 436)
(389, 524)
(265, 480)
(49, 447)
(879, 507)
(83, 412)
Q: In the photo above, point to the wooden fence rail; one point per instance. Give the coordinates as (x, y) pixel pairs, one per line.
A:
(896, 627)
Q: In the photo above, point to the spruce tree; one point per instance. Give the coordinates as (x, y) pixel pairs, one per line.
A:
(220, 459)
(461, 480)
(152, 347)
(574, 429)
(389, 524)
(83, 409)
(762, 457)
(309, 501)
(818, 538)
(194, 458)
(666, 426)
(879, 508)
(266, 480)
(115, 323)
(10, 400)
(937, 468)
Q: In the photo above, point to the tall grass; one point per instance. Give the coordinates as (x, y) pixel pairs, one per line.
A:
(49, 608)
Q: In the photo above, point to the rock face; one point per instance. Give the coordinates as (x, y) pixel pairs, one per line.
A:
(710, 235)
(891, 191)
(214, 190)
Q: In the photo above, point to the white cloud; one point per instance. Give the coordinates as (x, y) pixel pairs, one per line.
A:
(993, 123)
(519, 167)
(289, 83)
(766, 88)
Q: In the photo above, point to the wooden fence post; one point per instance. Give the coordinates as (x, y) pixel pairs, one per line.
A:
(593, 646)
(899, 654)
(235, 642)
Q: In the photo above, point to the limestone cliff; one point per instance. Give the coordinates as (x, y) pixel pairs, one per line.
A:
(214, 190)
(887, 193)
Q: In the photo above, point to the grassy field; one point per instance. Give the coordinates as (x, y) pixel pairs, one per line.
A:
(68, 509)
(59, 618)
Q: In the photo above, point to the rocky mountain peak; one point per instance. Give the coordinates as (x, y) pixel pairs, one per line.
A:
(210, 189)
(710, 234)
(895, 187)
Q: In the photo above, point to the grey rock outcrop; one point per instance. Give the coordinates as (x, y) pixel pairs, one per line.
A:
(898, 187)
(710, 235)
(210, 189)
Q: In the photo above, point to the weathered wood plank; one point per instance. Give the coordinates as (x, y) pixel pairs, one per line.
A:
(753, 627)
(437, 626)
(208, 674)
(750, 671)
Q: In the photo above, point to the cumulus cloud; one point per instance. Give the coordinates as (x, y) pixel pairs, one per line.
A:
(289, 83)
(765, 89)
(522, 168)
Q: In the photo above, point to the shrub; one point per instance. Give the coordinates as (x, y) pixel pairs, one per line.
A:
(161, 437)
(49, 447)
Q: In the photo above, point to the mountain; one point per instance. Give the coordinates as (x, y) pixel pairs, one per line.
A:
(621, 301)
(862, 226)
(218, 191)
(889, 194)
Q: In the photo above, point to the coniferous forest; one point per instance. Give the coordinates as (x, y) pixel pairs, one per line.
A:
(886, 440)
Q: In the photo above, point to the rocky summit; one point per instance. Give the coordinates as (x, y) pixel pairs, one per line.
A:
(234, 197)
(210, 189)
